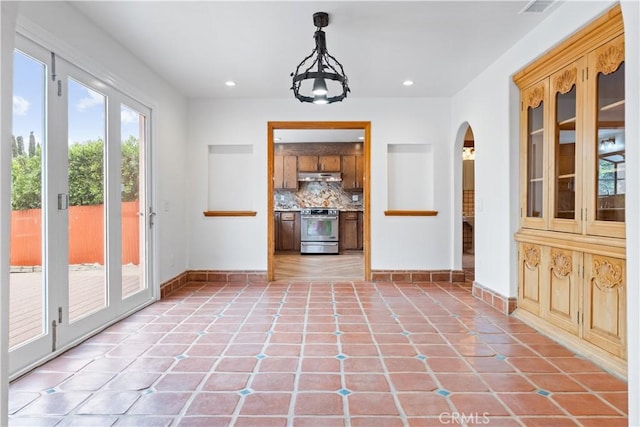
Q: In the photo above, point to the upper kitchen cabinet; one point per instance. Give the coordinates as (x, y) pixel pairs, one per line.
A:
(572, 143)
(285, 172)
(329, 163)
(352, 172)
(565, 154)
(605, 155)
(533, 203)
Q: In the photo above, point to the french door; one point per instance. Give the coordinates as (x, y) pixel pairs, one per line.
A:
(81, 214)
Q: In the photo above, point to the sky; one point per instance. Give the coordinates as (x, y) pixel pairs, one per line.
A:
(86, 107)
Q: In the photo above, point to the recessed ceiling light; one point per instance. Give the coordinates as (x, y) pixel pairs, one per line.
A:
(361, 138)
(230, 83)
(407, 82)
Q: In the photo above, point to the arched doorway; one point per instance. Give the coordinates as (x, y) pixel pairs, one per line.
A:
(468, 204)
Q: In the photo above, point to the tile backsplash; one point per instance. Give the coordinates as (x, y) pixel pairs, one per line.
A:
(317, 194)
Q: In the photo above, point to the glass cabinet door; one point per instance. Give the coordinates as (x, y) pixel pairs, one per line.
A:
(607, 185)
(565, 186)
(534, 158)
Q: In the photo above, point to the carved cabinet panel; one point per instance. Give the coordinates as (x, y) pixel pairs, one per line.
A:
(561, 299)
(605, 303)
(529, 276)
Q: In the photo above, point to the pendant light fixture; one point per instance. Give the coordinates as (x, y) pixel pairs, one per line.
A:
(320, 67)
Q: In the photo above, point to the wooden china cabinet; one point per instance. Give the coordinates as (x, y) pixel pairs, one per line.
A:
(571, 241)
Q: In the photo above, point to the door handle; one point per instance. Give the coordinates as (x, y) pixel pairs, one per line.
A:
(63, 201)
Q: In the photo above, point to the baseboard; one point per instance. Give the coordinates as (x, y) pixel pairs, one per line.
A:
(211, 276)
(221, 276)
(503, 304)
(417, 276)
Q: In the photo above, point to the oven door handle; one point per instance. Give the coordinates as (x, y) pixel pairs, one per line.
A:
(304, 217)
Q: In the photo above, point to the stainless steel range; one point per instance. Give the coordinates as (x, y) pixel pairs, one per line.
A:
(319, 231)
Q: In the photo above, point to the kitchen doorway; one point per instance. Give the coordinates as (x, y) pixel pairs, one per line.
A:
(324, 178)
(468, 205)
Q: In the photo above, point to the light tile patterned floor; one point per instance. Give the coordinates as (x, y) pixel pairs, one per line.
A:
(319, 354)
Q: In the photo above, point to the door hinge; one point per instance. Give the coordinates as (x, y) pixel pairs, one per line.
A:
(59, 87)
(59, 314)
(152, 214)
(53, 67)
(54, 332)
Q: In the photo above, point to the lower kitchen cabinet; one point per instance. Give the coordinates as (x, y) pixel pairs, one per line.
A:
(582, 293)
(350, 231)
(287, 231)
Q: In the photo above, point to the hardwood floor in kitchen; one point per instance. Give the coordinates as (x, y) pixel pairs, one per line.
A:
(347, 266)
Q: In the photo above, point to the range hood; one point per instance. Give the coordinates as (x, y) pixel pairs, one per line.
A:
(320, 176)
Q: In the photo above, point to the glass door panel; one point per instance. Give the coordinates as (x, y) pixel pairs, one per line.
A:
(86, 135)
(133, 138)
(565, 186)
(610, 147)
(28, 291)
(565, 151)
(534, 156)
(606, 152)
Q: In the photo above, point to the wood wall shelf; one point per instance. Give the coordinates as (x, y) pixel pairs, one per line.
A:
(230, 213)
(410, 213)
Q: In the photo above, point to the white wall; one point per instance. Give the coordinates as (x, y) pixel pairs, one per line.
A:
(396, 242)
(79, 41)
(490, 105)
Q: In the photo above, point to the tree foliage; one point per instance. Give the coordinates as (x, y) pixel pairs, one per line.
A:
(130, 169)
(26, 179)
(86, 173)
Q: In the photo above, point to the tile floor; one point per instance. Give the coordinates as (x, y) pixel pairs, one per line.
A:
(319, 354)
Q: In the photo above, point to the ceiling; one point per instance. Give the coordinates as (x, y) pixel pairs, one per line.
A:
(198, 46)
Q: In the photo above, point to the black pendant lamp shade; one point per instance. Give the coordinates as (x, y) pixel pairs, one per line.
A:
(320, 66)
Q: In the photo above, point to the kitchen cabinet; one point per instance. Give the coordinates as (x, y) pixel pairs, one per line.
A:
(319, 163)
(579, 292)
(571, 242)
(351, 231)
(285, 172)
(572, 140)
(352, 172)
(287, 231)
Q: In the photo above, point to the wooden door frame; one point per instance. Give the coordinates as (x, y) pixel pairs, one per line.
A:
(366, 205)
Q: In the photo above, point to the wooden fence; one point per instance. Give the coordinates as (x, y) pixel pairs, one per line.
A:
(86, 235)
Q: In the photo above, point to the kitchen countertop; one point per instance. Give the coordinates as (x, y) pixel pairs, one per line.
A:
(296, 209)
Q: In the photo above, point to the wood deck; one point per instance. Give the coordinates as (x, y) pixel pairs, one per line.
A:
(87, 294)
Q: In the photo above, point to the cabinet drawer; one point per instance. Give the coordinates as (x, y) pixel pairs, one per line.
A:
(350, 215)
(287, 216)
